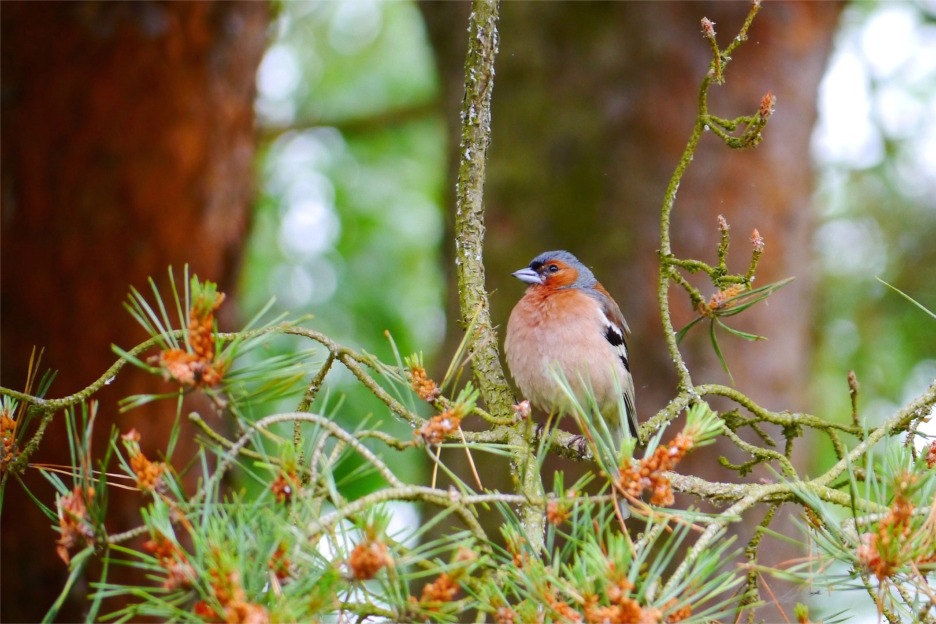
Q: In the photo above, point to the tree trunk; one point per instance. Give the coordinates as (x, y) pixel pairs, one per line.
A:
(593, 105)
(128, 146)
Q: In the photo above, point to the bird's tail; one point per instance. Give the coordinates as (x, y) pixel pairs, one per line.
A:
(627, 414)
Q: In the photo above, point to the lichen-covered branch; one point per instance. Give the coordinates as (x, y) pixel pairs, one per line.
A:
(469, 208)
(469, 251)
(705, 121)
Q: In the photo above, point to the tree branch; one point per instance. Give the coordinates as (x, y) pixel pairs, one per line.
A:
(469, 247)
(469, 208)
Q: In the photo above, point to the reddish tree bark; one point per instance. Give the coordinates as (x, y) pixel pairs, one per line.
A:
(127, 143)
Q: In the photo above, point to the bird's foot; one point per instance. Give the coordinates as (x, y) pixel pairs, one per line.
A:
(522, 410)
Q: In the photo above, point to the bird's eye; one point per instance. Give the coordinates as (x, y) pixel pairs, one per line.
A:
(552, 268)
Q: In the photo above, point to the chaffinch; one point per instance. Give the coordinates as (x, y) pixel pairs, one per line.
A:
(567, 321)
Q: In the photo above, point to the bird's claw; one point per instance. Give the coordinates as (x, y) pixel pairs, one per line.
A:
(522, 410)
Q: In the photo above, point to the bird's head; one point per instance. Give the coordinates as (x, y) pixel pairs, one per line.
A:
(556, 269)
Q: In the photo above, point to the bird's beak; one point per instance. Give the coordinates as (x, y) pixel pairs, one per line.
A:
(528, 276)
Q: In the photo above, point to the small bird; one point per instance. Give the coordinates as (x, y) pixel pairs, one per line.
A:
(566, 321)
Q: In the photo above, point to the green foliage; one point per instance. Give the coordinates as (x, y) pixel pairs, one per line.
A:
(594, 566)
(729, 303)
(888, 546)
(302, 541)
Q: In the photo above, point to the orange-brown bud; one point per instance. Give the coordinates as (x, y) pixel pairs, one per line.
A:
(368, 558)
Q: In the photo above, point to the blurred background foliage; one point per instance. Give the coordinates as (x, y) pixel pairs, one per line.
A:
(348, 225)
(875, 153)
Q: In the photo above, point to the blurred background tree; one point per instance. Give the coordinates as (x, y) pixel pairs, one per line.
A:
(128, 146)
(592, 103)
